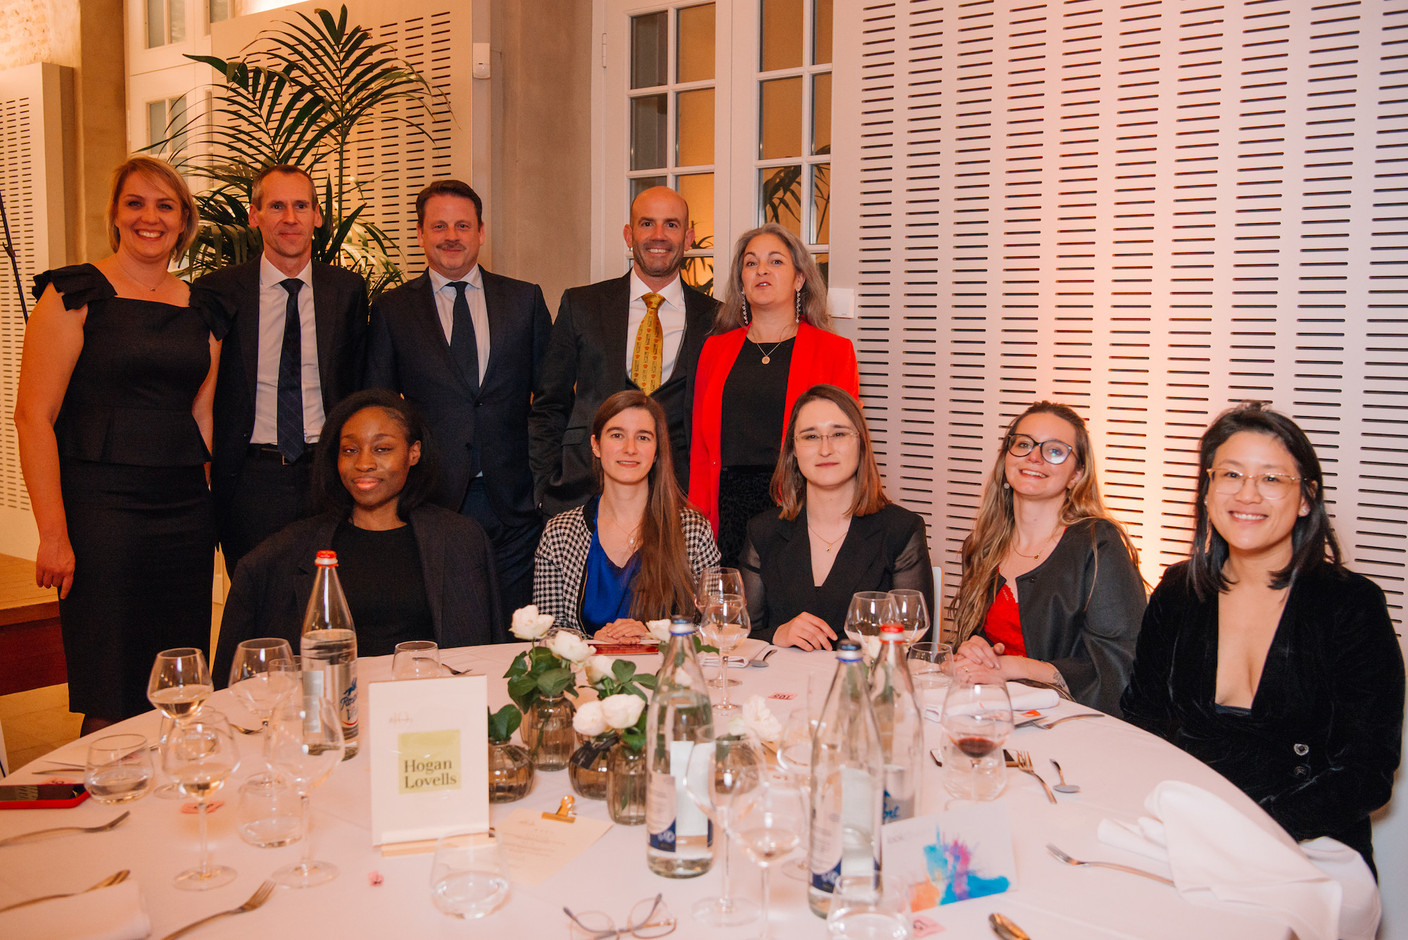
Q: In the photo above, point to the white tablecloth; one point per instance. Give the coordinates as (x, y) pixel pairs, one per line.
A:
(1116, 765)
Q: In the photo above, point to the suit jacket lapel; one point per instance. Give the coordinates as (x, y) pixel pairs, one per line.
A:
(615, 321)
(325, 322)
(431, 564)
(856, 557)
(425, 323)
(247, 324)
(496, 308)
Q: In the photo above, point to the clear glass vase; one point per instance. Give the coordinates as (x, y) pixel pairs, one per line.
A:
(626, 785)
(586, 768)
(510, 772)
(548, 734)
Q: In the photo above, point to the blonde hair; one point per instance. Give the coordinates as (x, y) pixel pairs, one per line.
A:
(163, 174)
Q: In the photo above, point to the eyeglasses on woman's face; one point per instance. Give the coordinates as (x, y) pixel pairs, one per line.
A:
(1224, 481)
(1053, 452)
(840, 437)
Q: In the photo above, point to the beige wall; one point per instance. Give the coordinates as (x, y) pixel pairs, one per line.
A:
(539, 217)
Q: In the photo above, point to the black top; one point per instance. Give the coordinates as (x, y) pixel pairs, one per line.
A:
(381, 576)
(755, 396)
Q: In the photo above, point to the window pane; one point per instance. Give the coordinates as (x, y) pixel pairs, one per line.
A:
(176, 120)
(821, 202)
(696, 43)
(780, 197)
(156, 121)
(650, 50)
(178, 20)
(821, 32)
(641, 183)
(698, 190)
(780, 118)
(821, 113)
(156, 23)
(219, 10)
(780, 42)
(694, 110)
(823, 261)
(648, 132)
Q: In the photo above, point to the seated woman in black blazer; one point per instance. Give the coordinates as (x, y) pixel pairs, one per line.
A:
(410, 569)
(836, 532)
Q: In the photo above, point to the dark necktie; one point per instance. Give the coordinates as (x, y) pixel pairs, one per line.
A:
(464, 346)
(289, 419)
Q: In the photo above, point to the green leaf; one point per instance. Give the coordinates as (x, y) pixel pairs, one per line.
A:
(503, 723)
(524, 691)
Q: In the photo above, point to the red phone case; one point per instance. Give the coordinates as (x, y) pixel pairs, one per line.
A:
(44, 804)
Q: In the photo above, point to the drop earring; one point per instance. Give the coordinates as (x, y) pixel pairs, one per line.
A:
(747, 316)
(799, 306)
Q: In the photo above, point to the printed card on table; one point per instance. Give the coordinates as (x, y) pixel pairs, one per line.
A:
(951, 856)
(429, 752)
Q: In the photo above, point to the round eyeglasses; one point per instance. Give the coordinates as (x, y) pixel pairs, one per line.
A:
(1053, 452)
(1224, 481)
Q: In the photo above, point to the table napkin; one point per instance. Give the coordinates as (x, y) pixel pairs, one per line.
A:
(1024, 698)
(1220, 856)
(112, 913)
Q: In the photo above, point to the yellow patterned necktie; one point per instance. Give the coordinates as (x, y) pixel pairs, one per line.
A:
(648, 356)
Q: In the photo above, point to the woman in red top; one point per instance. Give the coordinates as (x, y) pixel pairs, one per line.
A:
(771, 343)
(1051, 588)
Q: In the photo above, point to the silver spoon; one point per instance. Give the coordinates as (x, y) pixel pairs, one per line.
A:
(1063, 786)
(761, 662)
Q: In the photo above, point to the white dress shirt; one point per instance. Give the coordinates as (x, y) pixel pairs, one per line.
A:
(671, 321)
(273, 303)
(478, 312)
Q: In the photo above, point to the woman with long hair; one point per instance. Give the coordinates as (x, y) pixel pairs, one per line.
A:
(631, 554)
(1262, 655)
(834, 533)
(114, 420)
(411, 570)
(1051, 589)
(772, 342)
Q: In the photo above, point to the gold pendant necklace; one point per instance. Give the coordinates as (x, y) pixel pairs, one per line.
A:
(135, 280)
(830, 543)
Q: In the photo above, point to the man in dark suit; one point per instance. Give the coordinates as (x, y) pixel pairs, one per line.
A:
(279, 374)
(463, 345)
(598, 348)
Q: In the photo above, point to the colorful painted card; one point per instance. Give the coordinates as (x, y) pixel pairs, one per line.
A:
(951, 856)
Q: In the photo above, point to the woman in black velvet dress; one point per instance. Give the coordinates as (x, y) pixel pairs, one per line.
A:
(1262, 655)
(114, 422)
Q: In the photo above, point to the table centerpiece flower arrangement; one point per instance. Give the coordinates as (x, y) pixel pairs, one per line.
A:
(539, 681)
(615, 725)
(510, 766)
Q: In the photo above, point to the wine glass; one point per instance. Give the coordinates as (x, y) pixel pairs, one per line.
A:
(794, 758)
(119, 768)
(867, 611)
(721, 777)
(977, 721)
(261, 674)
(769, 821)
(416, 659)
(911, 612)
(725, 624)
(715, 581)
(179, 682)
(304, 743)
(930, 666)
(200, 754)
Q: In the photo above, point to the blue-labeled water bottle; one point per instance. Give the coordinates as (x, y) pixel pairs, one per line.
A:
(900, 723)
(680, 837)
(328, 648)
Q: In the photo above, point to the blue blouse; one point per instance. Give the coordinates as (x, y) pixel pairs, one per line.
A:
(608, 592)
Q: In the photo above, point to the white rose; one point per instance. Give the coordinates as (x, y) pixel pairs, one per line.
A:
(737, 727)
(682, 678)
(599, 667)
(528, 624)
(660, 629)
(623, 710)
(567, 645)
(761, 721)
(872, 647)
(590, 720)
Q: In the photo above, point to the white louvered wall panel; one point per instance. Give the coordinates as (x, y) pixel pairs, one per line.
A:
(1147, 209)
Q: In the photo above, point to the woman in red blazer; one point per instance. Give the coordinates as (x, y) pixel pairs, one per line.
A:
(772, 342)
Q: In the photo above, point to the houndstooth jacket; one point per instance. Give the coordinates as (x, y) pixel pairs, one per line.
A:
(562, 558)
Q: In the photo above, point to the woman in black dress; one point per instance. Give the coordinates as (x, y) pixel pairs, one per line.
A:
(114, 422)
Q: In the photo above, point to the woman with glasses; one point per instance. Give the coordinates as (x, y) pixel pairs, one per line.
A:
(772, 342)
(1261, 654)
(835, 532)
(1051, 589)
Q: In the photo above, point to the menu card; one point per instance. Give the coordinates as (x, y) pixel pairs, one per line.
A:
(429, 757)
(963, 853)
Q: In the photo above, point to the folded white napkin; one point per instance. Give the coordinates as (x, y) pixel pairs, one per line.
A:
(112, 913)
(1024, 698)
(1220, 856)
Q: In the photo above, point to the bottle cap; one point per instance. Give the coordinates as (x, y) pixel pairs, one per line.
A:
(326, 558)
(848, 651)
(891, 632)
(681, 627)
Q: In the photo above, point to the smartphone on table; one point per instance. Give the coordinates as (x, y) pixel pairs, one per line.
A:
(42, 796)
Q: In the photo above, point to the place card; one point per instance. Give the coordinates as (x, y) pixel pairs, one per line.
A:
(537, 847)
(963, 853)
(429, 759)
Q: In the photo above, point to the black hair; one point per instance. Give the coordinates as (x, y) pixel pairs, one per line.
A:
(420, 479)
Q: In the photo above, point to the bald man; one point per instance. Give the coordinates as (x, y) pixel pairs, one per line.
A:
(606, 339)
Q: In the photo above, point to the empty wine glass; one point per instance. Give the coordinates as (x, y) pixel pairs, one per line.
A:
(794, 758)
(304, 743)
(469, 876)
(911, 612)
(261, 674)
(725, 624)
(200, 754)
(768, 821)
(179, 682)
(715, 581)
(416, 659)
(977, 721)
(723, 772)
(931, 667)
(867, 611)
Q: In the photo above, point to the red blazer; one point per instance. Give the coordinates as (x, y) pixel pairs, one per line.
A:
(818, 357)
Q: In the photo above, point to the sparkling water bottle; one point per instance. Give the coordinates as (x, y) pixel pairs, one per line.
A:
(329, 647)
(680, 837)
(848, 783)
(901, 726)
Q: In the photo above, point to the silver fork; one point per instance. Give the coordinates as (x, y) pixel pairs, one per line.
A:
(1024, 764)
(110, 880)
(1048, 725)
(26, 836)
(1062, 856)
(256, 900)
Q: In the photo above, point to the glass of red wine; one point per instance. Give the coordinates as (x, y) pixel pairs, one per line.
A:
(977, 721)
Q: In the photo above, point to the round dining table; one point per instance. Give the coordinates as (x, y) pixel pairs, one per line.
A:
(1115, 764)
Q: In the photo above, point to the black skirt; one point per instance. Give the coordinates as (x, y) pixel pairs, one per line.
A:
(743, 493)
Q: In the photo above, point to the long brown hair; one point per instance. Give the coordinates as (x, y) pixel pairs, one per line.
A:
(789, 487)
(813, 291)
(987, 544)
(664, 585)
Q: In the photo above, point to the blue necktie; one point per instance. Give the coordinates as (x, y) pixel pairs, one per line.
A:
(290, 412)
(464, 346)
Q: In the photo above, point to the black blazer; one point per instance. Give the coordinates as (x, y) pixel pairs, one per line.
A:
(231, 296)
(884, 550)
(407, 352)
(272, 584)
(585, 365)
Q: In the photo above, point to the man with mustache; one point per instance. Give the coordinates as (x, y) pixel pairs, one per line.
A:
(642, 330)
(463, 345)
